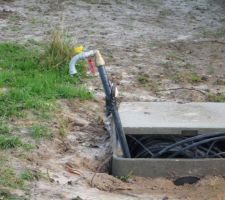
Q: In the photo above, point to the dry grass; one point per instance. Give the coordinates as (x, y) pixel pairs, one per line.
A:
(58, 51)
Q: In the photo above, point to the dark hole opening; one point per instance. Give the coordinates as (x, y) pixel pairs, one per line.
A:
(186, 180)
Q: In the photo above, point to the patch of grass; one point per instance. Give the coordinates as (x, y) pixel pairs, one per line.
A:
(175, 60)
(4, 129)
(8, 176)
(153, 3)
(211, 70)
(6, 195)
(220, 81)
(219, 33)
(186, 77)
(27, 175)
(179, 63)
(164, 13)
(222, 19)
(8, 142)
(174, 57)
(63, 126)
(143, 79)
(125, 178)
(39, 131)
(147, 82)
(220, 97)
(195, 78)
(11, 142)
(35, 21)
(10, 179)
(14, 18)
(34, 83)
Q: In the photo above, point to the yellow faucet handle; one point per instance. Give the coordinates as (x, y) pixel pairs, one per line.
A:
(78, 49)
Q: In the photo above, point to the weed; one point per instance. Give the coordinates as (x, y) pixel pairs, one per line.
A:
(211, 70)
(220, 81)
(219, 33)
(220, 97)
(14, 18)
(4, 129)
(146, 81)
(63, 126)
(8, 142)
(125, 178)
(222, 19)
(186, 77)
(35, 21)
(6, 195)
(174, 57)
(195, 78)
(164, 13)
(58, 51)
(8, 178)
(27, 175)
(38, 132)
(153, 3)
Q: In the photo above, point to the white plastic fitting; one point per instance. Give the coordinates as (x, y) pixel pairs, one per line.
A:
(75, 59)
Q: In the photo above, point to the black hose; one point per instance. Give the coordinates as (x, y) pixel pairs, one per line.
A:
(196, 144)
(191, 139)
(111, 108)
(176, 146)
(146, 149)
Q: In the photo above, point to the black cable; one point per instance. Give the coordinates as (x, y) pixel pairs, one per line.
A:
(187, 140)
(198, 143)
(218, 154)
(146, 149)
(200, 146)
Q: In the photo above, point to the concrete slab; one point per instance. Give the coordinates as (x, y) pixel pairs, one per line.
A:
(172, 118)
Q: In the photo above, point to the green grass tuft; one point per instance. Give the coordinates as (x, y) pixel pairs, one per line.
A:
(8, 142)
(27, 175)
(186, 77)
(6, 195)
(38, 132)
(216, 97)
(4, 129)
(11, 142)
(9, 178)
(125, 178)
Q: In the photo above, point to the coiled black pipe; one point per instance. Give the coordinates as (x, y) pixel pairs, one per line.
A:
(177, 146)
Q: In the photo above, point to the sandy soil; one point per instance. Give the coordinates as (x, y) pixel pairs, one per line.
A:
(150, 47)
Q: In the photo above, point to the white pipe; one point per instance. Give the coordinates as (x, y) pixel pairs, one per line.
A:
(75, 59)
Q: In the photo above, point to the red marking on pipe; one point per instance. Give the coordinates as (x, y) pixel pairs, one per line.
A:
(91, 66)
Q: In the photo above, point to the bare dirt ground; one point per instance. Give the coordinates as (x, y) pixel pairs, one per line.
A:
(155, 50)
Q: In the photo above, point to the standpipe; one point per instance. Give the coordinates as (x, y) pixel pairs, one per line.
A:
(111, 105)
